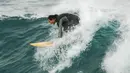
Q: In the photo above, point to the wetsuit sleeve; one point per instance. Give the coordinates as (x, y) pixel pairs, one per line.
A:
(60, 33)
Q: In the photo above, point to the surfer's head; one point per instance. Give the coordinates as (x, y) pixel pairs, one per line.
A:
(52, 18)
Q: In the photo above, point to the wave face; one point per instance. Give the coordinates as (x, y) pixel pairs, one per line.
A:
(16, 34)
(18, 57)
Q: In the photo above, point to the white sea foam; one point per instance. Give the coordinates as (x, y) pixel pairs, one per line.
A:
(73, 43)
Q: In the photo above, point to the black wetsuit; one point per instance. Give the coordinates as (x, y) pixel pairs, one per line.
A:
(66, 22)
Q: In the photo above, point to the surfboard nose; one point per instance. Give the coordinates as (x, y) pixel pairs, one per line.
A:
(42, 44)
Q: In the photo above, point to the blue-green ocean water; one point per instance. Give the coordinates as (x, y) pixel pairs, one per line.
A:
(17, 56)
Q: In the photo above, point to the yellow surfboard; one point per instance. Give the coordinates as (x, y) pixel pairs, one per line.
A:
(42, 44)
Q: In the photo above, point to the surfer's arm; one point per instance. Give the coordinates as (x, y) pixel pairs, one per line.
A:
(60, 29)
(63, 19)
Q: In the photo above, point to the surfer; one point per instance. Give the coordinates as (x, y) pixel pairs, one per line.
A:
(65, 22)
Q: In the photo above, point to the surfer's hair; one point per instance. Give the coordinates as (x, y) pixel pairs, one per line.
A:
(52, 16)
